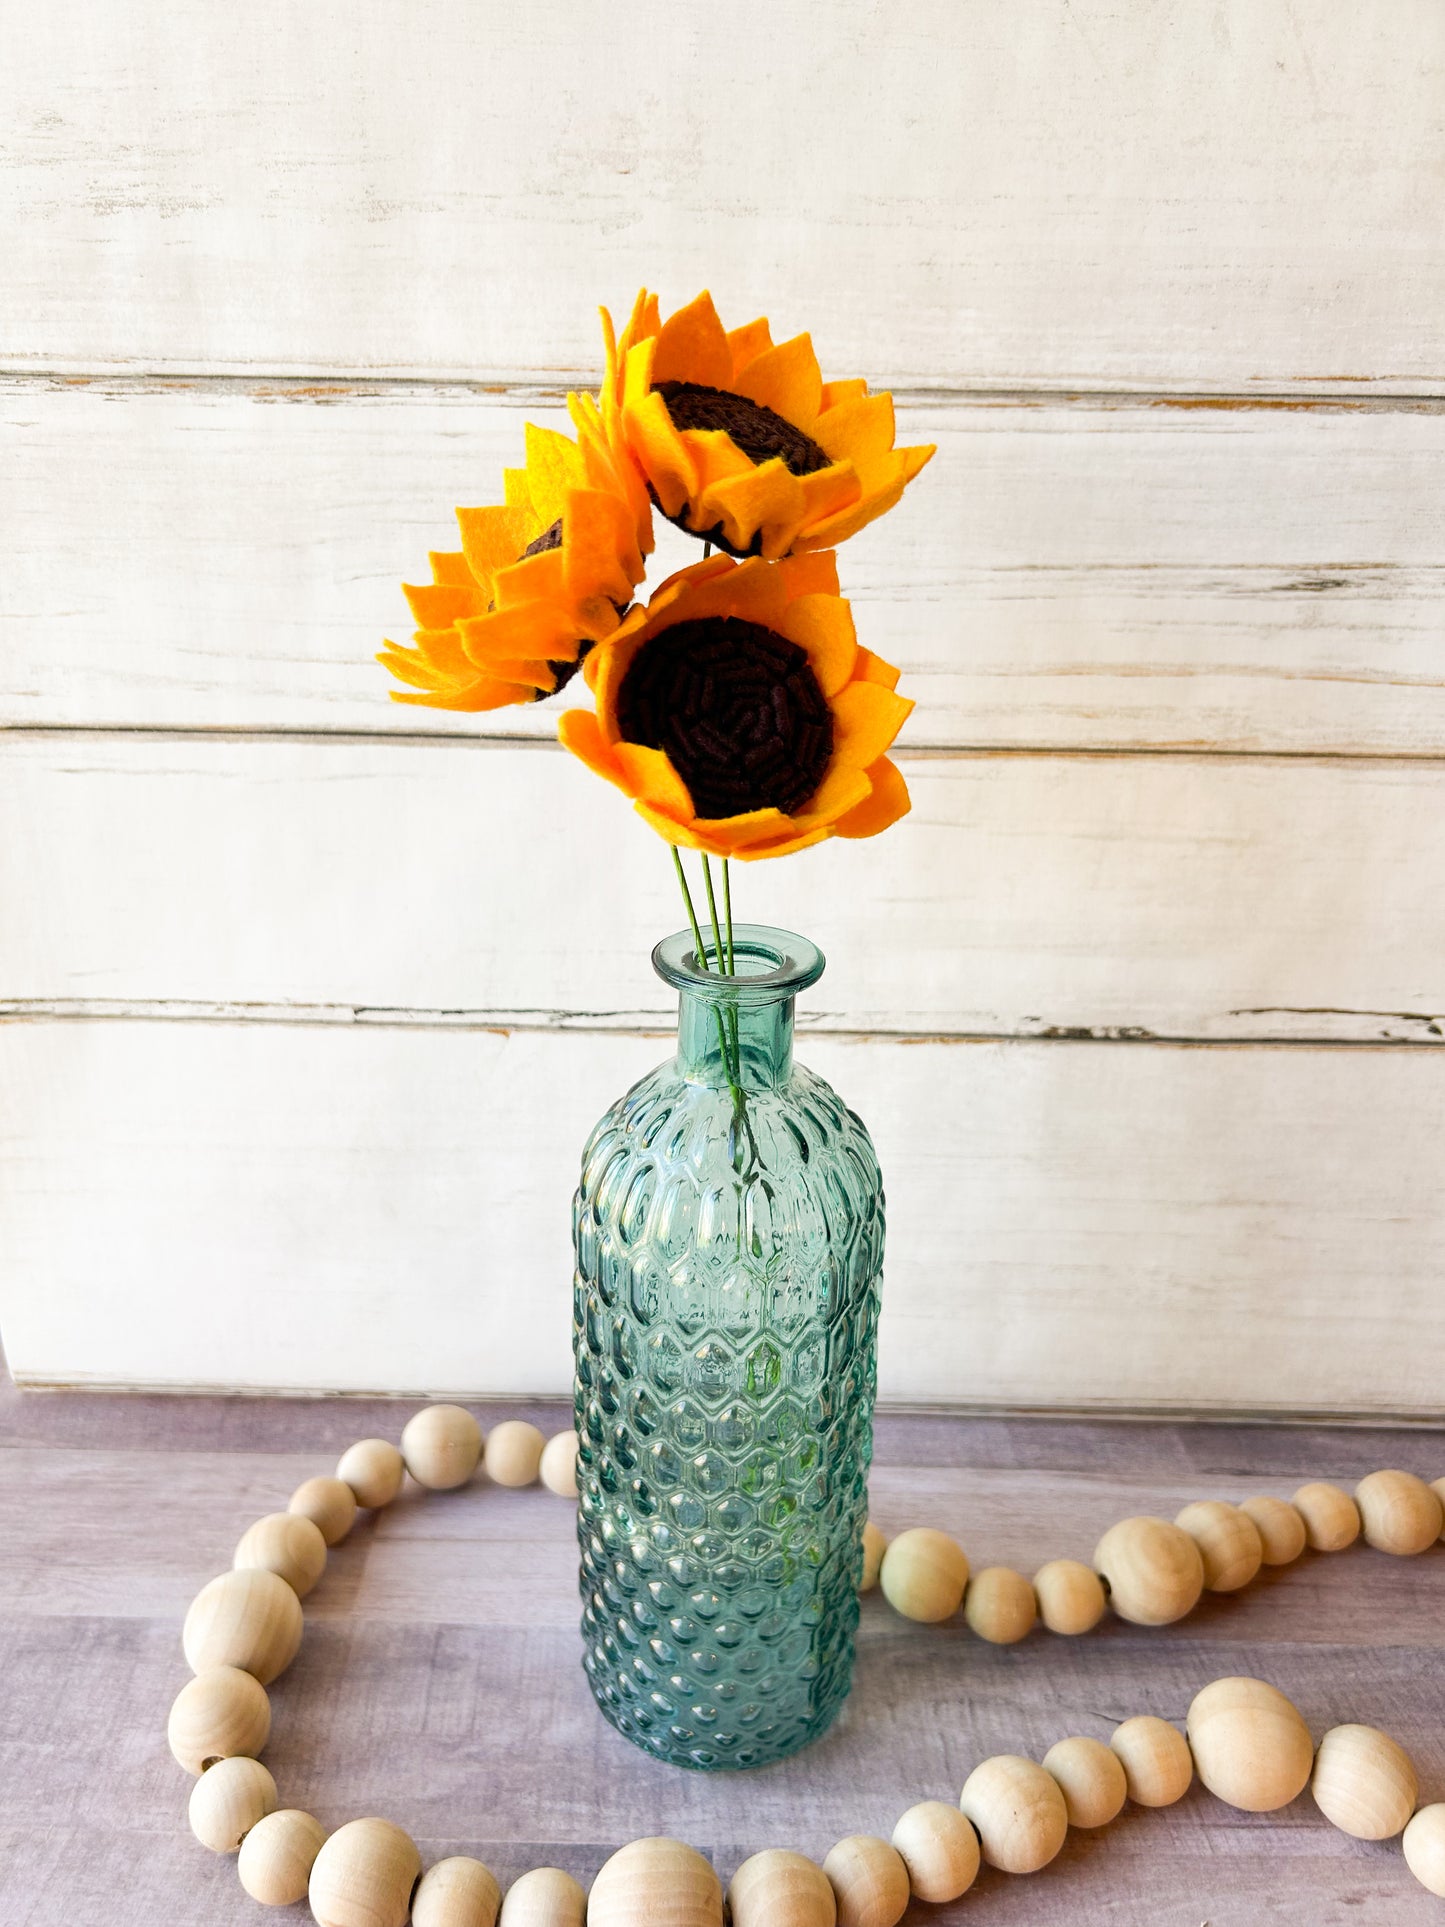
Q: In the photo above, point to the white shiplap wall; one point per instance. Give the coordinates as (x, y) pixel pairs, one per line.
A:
(306, 1001)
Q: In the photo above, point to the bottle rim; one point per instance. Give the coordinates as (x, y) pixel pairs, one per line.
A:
(771, 964)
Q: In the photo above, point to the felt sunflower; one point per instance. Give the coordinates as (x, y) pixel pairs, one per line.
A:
(742, 442)
(538, 580)
(739, 713)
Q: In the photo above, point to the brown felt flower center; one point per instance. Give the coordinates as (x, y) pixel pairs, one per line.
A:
(738, 711)
(759, 432)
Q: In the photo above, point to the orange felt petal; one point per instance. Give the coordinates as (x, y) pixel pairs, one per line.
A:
(766, 501)
(441, 652)
(577, 731)
(837, 528)
(608, 663)
(493, 537)
(652, 779)
(536, 630)
(436, 605)
(786, 379)
(693, 347)
(757, 852)
(599, 548)
(752, 591)
(916, 458)
(730, 833)
(823, 626)
(842, 789)
(813, 573)
(672, 831)
(835, 392)
(828, 490)
(860, 427)
(715, 456)
(748, 342)
(871, 668)
(888, 800)
(450, 565)
(660, 450)
(866, 718)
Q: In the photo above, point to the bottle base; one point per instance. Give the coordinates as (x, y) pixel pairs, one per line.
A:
(759, 1737)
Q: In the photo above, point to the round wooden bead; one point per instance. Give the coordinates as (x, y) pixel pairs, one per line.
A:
(1228, 1542)
(514, 1453)
(545, 1897)
(655, 1883)
(1398, 1512)
(217, 1715)
(1281, 1530)
(923, 1574)
(1364, 1782)
(939, 1847)
(228, 1800)
(247, 1619)
(1000, 1606)
(1091, 1779)
(1437, 1486)
(1158, 1766)
(1424, 1845)
(459, 1892)
(1019, 1812)
(781, 1889)
(1251, 1748)
(441, 1445)
(1153, 1570)
(364, 1875)
(1332, 1519)
(329, 1504)
(374, 1471)
(868, 1878)
(277, 1856)
(286, 1544)
(559, 1465)
(1070, 1595)
(874, 1547)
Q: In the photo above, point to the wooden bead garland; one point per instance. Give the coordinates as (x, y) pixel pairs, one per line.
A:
(545, 1897)
(1424, 1845)
(923, 1575)
(228, 1800)
(1070, 1595)
(1398, 1513)
(250, 1620)
(939, 1848)
(459, 1892)
(1364, 1783)
(1153, 1570)
(286, 1544)
(1281, 1530)
(329, 1504)
(514, 1453)
(441, 1447)
(374, 1470)
(1250, 1746)
(1091, 1778)
(559, 1465)
(655, 1883)
(219, 1714)
(364, 1876)
(1018, 1810)
(1000, 1606)
(1332, 1519)
(869, 1882)
(777, 1888)
(1158, 1766)
(277, 1856)
(1228, 1542)
(874, 1547)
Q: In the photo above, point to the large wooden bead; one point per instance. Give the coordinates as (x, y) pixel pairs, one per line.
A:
(545, 1897)
(1019, 1812)
(874, 1547)
(330, 1505)
(869, 1881)
(1091, 1779)
(247, 1619)
(939, 1847)
(1228, 1542)
(277, 1856)
(923, 1574)
(1281, 1530)
(217, 1715)
(1424, 1845)
(459, 1892)
(1251, 1748)
(1000, 1606)
(1070, 1595)
(514, 1453)
(559, 1465)
(1153, 1570)
(1332, 1519)
(286, 1544)
(364, 1875)
(1399, 1513)
(228, 1800)
(781, 1889)
(441, 1446)
(655, 1883)
(1158, 1766)
(374, 1470)
(1364, 1782)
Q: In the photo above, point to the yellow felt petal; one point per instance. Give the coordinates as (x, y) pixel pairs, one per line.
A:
(786, 379)
(823, 626)
(857, 428)
(577, 730)
(810, 574)
(828, 490)
(887, 801)
(747, 343)
(491, 538)
(554, 468)
(866, 718)
(450, 565)
(693, 347)
(765, 501)
(516, 490)
(871, 668)
(653, 780)
(660, 452)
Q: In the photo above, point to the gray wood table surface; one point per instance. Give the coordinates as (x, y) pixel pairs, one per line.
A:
(439, 1684)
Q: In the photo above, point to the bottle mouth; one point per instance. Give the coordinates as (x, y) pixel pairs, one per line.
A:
(768, 965)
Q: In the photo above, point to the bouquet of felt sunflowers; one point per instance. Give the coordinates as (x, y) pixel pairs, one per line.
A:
(736, 707)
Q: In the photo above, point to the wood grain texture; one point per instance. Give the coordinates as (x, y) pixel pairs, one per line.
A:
(1082, 574)
(1075, 1224)
(1095, 194)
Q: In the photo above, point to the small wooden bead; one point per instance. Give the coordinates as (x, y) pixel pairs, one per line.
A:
(655, 1883)
(559, 1465)
(869, 1880)
(939, 1847)
(1000, 1606)
(1364, 1782)
(1158, 1766)
(1018, 1810)
(1251, 1748)
(874, 1547)
(329, 1504)
(459, 1892)
(374, 1470)
(1228, 1542)
(1091, 1779)
(923, 1574)
(514, 1453)
(441, 1445)
(1437, 1486)
(1332, 1519)
(1281, 1530)
(277, 1856)
(1070, 1595)
(1153, 1570)
(1424, 1845)
(545, 1897)
(228, 1800)
(217, 1715)
(364, 1875)
(1398, 1512)
(247, 1619)
(286, 1544)
(781, 1889)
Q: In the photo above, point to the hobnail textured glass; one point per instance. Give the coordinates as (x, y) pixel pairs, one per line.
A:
(728, 1230)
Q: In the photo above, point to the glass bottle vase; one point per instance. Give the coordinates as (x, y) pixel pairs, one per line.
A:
(728, 1230)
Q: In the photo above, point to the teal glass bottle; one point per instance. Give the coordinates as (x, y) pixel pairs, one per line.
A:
(728, 1230)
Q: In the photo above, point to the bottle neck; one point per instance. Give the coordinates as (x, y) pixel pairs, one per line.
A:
(723, 1040)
